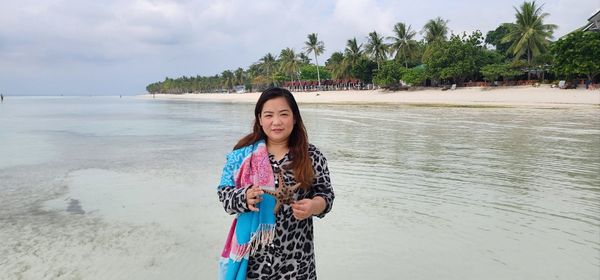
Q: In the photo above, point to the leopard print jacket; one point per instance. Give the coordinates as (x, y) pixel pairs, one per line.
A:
(291, 256)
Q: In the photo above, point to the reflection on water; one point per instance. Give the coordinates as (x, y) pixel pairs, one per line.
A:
(422, 193)
(465, 193)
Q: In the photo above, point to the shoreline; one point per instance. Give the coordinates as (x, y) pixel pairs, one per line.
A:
(519, 96)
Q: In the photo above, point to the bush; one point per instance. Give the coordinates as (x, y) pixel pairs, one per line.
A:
(415, 76)
(309, 73)
(493, 72)
(389, 75)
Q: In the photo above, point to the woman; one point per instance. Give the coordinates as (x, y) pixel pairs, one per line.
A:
(275, 182)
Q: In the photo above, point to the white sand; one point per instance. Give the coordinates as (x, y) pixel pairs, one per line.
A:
(543, 96)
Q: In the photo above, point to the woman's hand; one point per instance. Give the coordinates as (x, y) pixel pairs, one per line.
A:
(253, 197)
(306, 208)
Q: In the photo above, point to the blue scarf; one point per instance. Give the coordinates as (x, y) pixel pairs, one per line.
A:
(247, 166)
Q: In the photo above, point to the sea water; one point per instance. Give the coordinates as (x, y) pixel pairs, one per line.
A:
(124, 188)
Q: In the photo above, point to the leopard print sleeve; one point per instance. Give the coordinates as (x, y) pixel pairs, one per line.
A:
(233, 199)
(321, 183)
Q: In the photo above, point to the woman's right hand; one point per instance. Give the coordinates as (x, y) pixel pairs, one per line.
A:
(253, 196)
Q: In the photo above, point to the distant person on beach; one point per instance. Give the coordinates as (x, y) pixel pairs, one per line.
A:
(274, 181)
(1, 97)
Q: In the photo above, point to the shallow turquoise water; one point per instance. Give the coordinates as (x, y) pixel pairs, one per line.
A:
(123, 188)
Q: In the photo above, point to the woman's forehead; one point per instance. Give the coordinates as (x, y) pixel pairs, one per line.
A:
(276, 105)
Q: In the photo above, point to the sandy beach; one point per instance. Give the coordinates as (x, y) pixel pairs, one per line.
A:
(543, 96)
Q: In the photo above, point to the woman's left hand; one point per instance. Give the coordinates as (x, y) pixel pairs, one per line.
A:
(302, 208)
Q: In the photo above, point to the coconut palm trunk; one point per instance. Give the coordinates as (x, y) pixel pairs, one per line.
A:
(318, 75)
(528, 64)
(317, 47)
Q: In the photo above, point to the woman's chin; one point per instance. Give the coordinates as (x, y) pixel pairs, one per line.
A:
(277, 137)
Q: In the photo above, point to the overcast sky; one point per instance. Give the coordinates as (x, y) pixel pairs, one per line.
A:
(112, 47)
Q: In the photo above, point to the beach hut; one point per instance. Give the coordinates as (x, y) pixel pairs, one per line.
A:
(240, 89)
(593, 23)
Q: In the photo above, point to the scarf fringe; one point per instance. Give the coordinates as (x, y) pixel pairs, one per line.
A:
(263, 236)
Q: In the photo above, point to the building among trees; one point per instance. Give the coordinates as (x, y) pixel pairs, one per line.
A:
(593, 23)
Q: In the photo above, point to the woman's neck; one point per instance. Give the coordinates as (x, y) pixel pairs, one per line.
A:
(277, 149)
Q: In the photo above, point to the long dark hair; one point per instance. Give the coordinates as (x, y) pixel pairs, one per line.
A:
(301, 163)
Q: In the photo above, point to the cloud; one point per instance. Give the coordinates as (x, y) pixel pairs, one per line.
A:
(133, 43)
(363, 16)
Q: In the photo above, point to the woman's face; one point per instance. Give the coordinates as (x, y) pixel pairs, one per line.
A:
(277, 120)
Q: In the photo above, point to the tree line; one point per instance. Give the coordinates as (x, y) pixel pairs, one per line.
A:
(522, 49)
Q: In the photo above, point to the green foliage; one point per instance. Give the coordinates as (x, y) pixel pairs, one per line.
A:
(228, 79)
(436, 30)
(248, 86)
(390, 74)
(334, 59)
(416, 57)
(353, 52)
(279, 78)
(289, 63)
(363, 70)
(153, 88)
(493, 72)
(494, 38)
(240, 76)
(403, 44)
(338, 66)
(491, 57)
(518, 64)
(253, 71)
(268, 66)
(304, 59)
(217, 83)
(313, 45)
(459, 58)
(577, 54)
(309, 73)
(529, 35)
(415, 76)
(376, 48)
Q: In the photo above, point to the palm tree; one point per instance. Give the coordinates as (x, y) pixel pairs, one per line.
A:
(253, 71)
(304, 59)
(403, 44)
(268, 63)
(353, 52)
(228, 79)
(290, 62)
(529, 34)
(435, 30)
(316, 47)
(376, 48)
(338, 65)
(239, 76)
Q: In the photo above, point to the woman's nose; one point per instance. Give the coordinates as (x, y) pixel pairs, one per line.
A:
(276, 120)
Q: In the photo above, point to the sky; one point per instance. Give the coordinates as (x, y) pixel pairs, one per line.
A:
(114, 47)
